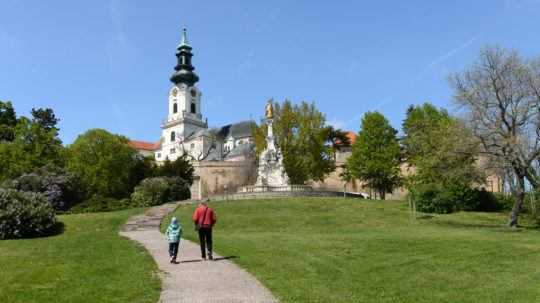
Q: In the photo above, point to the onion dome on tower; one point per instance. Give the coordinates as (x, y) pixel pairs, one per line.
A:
(184, 70)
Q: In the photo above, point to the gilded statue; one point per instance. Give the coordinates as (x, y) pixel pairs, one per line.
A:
(269, 110)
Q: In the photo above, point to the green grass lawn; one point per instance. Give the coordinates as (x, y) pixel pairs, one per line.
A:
(88, 262)
(344, 250)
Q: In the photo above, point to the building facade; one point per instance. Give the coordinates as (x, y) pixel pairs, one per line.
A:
(185, 130)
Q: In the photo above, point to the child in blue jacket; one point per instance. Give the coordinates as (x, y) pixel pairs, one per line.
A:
(174, 232)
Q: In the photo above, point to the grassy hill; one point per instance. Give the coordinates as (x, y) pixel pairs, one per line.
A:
(88, 262)
(337, 250)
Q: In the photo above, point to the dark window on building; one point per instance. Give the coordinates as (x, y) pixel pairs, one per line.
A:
(175, 108)
(173, 136)
(193, 108)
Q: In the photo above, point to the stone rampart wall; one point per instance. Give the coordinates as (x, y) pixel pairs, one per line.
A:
(219, 177)
(281, 194)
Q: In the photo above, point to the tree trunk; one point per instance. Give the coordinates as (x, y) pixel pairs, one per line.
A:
(520, 197)
(382, 194)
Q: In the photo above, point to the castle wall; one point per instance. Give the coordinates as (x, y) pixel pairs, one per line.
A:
(333, 182)
(219, 177)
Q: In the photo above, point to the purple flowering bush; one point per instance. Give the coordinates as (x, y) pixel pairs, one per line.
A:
(24, 214)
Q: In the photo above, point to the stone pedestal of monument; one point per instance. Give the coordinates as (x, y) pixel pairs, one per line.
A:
(271, 174)
(271, 171)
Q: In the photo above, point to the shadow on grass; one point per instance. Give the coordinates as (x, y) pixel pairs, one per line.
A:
(487, 226)
(55, 230)
(215, 259)
(225, 258)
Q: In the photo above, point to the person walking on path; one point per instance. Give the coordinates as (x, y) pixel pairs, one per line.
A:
(204, 218)
(174, 232)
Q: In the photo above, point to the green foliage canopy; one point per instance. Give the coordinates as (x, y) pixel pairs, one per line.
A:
(31, 147)
(181, 167)
(440, 148)
(104, 162)
(375, 157)
(301, 134)
(8, 120)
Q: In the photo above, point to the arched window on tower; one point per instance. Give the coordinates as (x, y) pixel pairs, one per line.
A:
(173, 136)
(193, 108)
(175, 108)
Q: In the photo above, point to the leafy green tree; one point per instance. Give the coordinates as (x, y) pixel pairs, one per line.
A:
(302, 135)
(181, 167)
(439, 147)
(104, 162)
(8, 121)
(32, 147)
(143, 167)
(45, 117)
(375, 155)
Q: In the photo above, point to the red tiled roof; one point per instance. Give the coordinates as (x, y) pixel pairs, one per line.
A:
(141, 145)
(352, 137)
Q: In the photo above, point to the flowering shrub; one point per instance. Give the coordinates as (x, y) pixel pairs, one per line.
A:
(58, 187)
(159, 190)
(24, 214)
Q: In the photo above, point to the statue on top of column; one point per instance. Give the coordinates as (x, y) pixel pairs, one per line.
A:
(269, 110)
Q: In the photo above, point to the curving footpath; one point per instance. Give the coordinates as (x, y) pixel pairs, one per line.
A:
(192, 280)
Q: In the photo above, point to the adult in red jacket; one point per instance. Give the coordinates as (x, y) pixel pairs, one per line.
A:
(204, 218)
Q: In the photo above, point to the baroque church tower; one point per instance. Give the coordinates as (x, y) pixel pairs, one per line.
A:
(184, 131)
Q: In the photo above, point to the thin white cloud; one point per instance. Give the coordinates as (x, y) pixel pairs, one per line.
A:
(452, 52)
(116, 19)
(118, 44)
(441, 59)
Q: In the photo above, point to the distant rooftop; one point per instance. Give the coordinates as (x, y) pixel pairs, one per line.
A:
(142, 145)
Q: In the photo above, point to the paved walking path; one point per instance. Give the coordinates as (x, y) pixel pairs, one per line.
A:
(193, 280)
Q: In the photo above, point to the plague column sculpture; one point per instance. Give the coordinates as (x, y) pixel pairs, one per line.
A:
(271, 171)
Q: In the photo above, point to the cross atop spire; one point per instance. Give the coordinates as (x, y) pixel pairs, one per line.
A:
(184, 37)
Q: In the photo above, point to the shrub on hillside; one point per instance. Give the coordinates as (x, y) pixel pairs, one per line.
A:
(61, 189)
(444, 199)
(101, 204)
(159, 190)
(501, 202)
(430, 198)
(178, 189)
(181, 167)
(24, 214)
(150, 192)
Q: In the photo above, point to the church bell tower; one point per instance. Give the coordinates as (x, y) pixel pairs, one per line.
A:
(184, 119)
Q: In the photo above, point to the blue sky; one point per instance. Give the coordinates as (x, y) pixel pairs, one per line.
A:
(107, 64)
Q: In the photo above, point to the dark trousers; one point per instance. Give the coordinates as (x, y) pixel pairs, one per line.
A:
(205, 239)
(173, 249)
